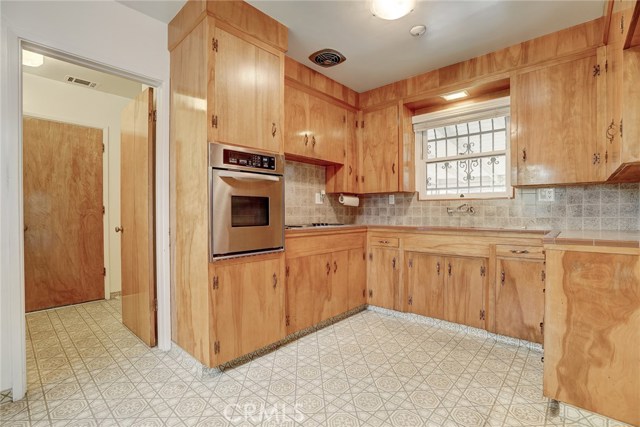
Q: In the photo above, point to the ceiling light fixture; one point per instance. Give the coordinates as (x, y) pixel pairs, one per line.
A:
(32, 59)
(455, 95)
(392, 9)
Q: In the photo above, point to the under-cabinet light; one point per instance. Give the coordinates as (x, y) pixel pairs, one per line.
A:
(455, 95)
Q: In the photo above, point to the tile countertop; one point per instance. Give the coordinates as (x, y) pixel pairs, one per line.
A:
(629, 239)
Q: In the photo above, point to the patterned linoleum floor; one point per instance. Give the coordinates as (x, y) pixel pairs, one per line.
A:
(86, 369)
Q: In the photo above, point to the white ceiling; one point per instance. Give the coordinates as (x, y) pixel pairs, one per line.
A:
(57, 70)
(380, 52)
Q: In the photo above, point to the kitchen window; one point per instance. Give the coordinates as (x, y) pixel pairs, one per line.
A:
(464, 152)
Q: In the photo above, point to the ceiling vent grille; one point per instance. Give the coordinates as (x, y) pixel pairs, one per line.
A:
(327, 58)
(80, 82)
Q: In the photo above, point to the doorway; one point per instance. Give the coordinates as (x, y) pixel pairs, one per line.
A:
(88, 185)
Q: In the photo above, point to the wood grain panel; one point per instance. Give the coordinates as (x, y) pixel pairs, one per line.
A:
(383, 276)
(380, 166)
(137, 184)
(63, 237)
(345, 179)
(424, 280)
(315, 244)
(464, 291)
(631, 106)
(248, 306)
(189, 194)
(296, 122)
(592, 328)
(519, 293)
(357, 281)
(338, 297)
(308, 280)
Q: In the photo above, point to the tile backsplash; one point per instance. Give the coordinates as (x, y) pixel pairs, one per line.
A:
(590, 207)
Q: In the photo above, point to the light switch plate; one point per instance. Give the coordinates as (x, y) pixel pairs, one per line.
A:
(546, 194)
(318, 199)
(392, 199)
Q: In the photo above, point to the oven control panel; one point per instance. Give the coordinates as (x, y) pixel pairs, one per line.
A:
(249, 160)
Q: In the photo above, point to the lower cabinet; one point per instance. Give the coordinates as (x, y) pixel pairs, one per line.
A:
(465, 285)
(357, 282)
(383, 276)
(519, 296)
(592, 330)
(247, 306)
(424, 281)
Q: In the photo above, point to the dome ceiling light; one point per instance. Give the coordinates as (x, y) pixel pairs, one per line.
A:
(392, 9)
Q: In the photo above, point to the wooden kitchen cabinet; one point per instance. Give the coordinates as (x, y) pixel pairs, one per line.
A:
(465, 285)
(425, 284)
(380, 145)
(247, 307)
(592, 329)
(315, 129)
(346, 178)
(519, 294)
(357, 281)
(559, 125)
(383, 276)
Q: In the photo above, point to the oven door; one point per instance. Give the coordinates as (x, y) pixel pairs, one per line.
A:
(247, 212)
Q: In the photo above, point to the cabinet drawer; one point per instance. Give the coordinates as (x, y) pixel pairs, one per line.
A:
(513, 251)
(389, 242)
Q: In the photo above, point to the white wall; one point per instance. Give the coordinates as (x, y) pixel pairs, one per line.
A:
(108, 33)
(50, 99)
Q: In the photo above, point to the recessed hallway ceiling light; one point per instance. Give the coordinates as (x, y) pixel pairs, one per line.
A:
(392, 9)
(32, 59)
(455, 95)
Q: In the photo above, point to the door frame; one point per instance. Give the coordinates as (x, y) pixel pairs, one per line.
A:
(11, 191)
(105, 188)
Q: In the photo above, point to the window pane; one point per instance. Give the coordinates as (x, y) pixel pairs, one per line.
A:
(486, 125)
(499, 123)
(500, 141)
(487, 142)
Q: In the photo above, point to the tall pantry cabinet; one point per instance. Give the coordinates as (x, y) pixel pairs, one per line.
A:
(227, 86)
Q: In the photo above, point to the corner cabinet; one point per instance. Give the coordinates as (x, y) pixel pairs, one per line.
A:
(559, 123)
(380, 151)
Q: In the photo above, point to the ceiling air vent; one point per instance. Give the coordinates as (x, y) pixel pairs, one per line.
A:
(327, 58)
(80, 82)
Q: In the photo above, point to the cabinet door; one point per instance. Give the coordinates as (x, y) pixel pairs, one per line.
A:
(357, 281)
(424, 275)
(345, 179)
(328, 125)
(558, 124)
(308, 281)
(338, 296)
(380, 151)
(464, 291)
(383, 276)
(296, 122)
(592, 331)
(520, 298)
(248, 94)
(248, 308)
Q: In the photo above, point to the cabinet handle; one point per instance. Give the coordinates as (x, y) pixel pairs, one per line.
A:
(620, 128)
(393, 263)
(350, 169)
(384, 242)
(393, 167)
(335, 267)
(275, 280)
(306, 139)
(274, 129)
(502, 277)
(313, 141)
(611, 132)
(449, 269)
(118, 230)
(524, 154)
(515, 251)
(328, 268)
(438, 268)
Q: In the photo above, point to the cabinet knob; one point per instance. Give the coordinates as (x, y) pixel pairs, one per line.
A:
(393, 168)
(524, 154)
(306, 139)
(335, 267)
(275, 280)
(313, 141)
(502, 277)
(393, 263)
(449, 269)
(328, 268)
(438, 268)
(274, 129)
(350, 169)
(119, 229)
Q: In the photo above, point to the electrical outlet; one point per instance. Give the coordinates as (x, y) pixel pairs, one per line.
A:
(392, 199)
(318, 199)
(546, 194)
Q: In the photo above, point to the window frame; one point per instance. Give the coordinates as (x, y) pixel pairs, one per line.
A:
(478, 111)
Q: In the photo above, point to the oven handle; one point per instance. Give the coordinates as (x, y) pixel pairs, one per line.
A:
(248, 176)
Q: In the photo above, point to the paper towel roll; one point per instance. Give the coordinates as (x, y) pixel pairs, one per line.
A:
(349, 200)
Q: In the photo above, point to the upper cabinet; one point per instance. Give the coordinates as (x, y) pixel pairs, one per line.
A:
(315, 129)
(559, 136)
(245, 101)
(380, 147)
(346, 178)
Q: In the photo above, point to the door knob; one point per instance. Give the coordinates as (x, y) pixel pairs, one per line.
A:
(119, 230)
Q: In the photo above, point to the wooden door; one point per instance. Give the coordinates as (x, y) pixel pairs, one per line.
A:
(357, 281)
(247, 308)
(383, 275)
(558, 123)
(63, 235)
(592, 331)
(297, 136)
(464, 291)
(338, 298)
(519, 307)
(380, 151)
(328, 124)
(137, 212)
(308, 279)
(425, 284)
(345, 179)
(248, 93)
